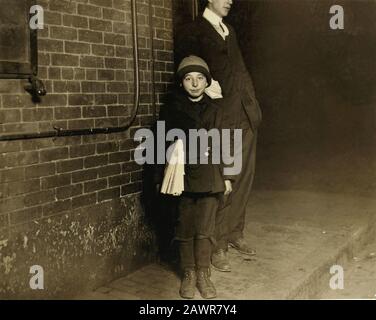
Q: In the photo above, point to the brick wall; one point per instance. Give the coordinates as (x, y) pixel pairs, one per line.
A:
(72, 204)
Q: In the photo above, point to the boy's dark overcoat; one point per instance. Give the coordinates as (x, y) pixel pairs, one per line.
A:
(182, 113)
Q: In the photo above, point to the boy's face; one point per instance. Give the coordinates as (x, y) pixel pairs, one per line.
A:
(194, 84)
(220, 7)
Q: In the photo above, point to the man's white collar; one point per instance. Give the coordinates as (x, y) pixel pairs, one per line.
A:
(212, 17)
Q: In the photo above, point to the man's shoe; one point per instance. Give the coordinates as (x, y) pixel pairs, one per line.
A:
(242, 247)
(188, 284)
(220, 261)
(204, 284)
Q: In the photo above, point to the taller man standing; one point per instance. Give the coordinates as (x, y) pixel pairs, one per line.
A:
(215, 41)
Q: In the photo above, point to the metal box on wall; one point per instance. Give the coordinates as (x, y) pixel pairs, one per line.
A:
(18, 42)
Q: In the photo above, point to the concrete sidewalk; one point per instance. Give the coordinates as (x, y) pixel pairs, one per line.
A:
(298, 236)
(359, 280)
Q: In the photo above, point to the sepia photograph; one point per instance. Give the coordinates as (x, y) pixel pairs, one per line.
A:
(202, 151)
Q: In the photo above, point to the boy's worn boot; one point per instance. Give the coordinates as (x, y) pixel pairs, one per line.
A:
(188, 284)
(204, 284)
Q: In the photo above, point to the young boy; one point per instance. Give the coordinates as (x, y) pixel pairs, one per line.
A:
(191, 108)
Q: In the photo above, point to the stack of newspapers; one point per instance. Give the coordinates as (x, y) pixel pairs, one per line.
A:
(173, 181)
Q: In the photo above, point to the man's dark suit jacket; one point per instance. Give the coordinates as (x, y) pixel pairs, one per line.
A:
(226, 66)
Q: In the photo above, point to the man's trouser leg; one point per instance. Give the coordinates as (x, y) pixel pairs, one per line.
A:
(230, 219)
(242, 187)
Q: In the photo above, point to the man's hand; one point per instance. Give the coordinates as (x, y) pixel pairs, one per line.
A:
(228, 186)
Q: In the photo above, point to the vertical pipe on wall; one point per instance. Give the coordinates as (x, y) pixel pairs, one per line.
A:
(194, 9)
(151, 29)
(136, 60)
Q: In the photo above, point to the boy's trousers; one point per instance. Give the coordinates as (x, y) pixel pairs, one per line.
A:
(195, 228)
